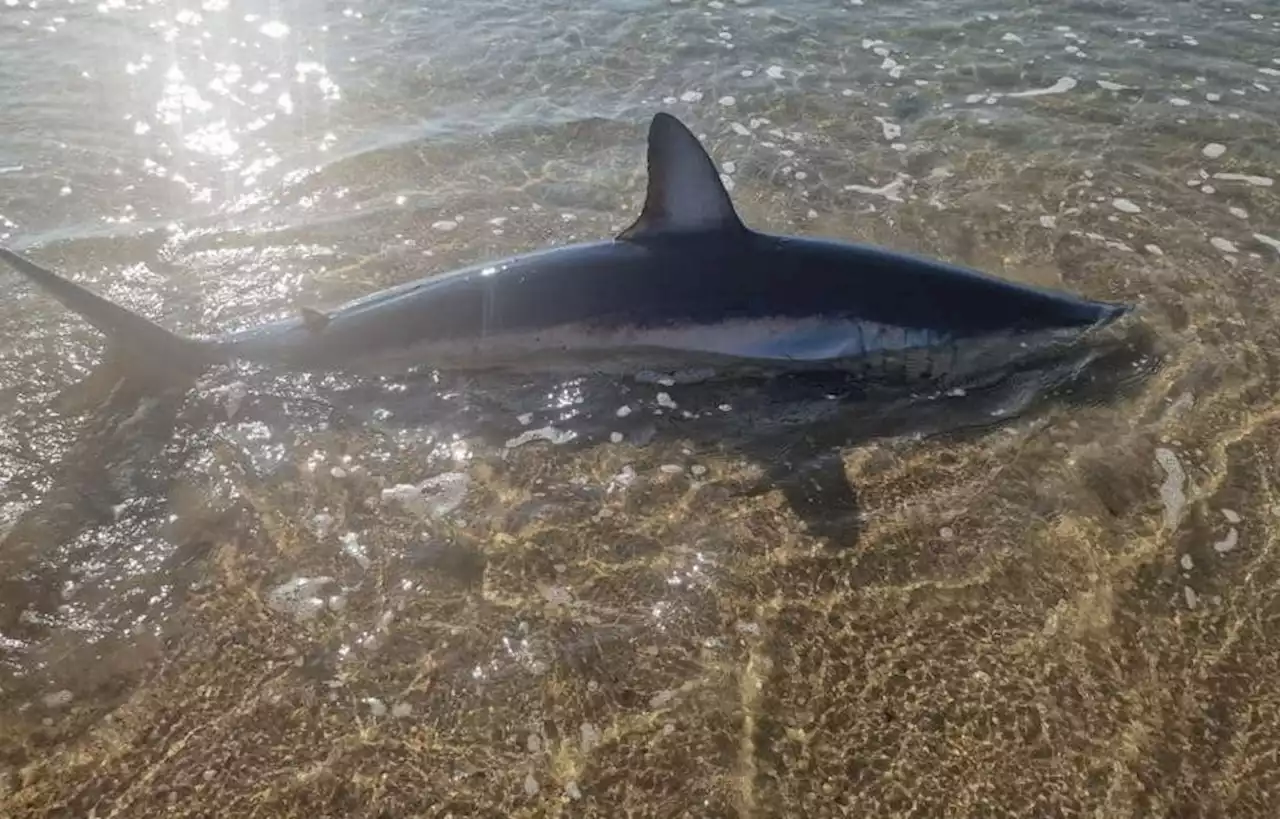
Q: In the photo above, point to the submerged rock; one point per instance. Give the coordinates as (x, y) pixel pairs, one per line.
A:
(299, 598)
(435, 497)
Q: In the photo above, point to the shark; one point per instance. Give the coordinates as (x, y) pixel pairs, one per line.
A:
(687, 287)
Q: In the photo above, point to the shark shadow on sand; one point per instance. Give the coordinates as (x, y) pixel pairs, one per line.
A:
(785, 322)
(137, 451)
(795, 427)
(808, 337)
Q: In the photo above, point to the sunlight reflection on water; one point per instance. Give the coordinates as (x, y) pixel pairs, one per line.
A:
(207, 92)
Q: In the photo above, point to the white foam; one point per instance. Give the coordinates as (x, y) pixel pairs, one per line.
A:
(1214, 150)
(352, 547)
(1256, 181)
(1224, 245)
(891, 191)
(547, 433)
(892, 130)
(1274, 244)
(1062, 86)
(1125, 206)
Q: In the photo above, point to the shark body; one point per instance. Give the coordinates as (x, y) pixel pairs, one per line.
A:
(687, 286)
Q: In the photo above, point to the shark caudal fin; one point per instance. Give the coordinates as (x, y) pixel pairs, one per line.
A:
(146, 349)
(684, 194)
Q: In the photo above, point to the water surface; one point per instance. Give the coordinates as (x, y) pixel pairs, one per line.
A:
(322, 596)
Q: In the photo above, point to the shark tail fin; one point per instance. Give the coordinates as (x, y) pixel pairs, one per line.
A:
(143, 348)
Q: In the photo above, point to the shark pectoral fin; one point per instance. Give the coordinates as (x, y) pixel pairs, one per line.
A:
(314, 320)
(685, 194)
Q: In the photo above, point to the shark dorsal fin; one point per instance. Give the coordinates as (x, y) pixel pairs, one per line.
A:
(685, 193)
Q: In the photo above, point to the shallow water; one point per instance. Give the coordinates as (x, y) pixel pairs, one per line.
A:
(1053, 595)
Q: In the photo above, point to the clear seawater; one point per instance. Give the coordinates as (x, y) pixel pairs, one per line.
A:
(288, 596)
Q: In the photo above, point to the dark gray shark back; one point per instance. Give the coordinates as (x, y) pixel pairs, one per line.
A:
(688, 261)
(714, 277)
(686, 275)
